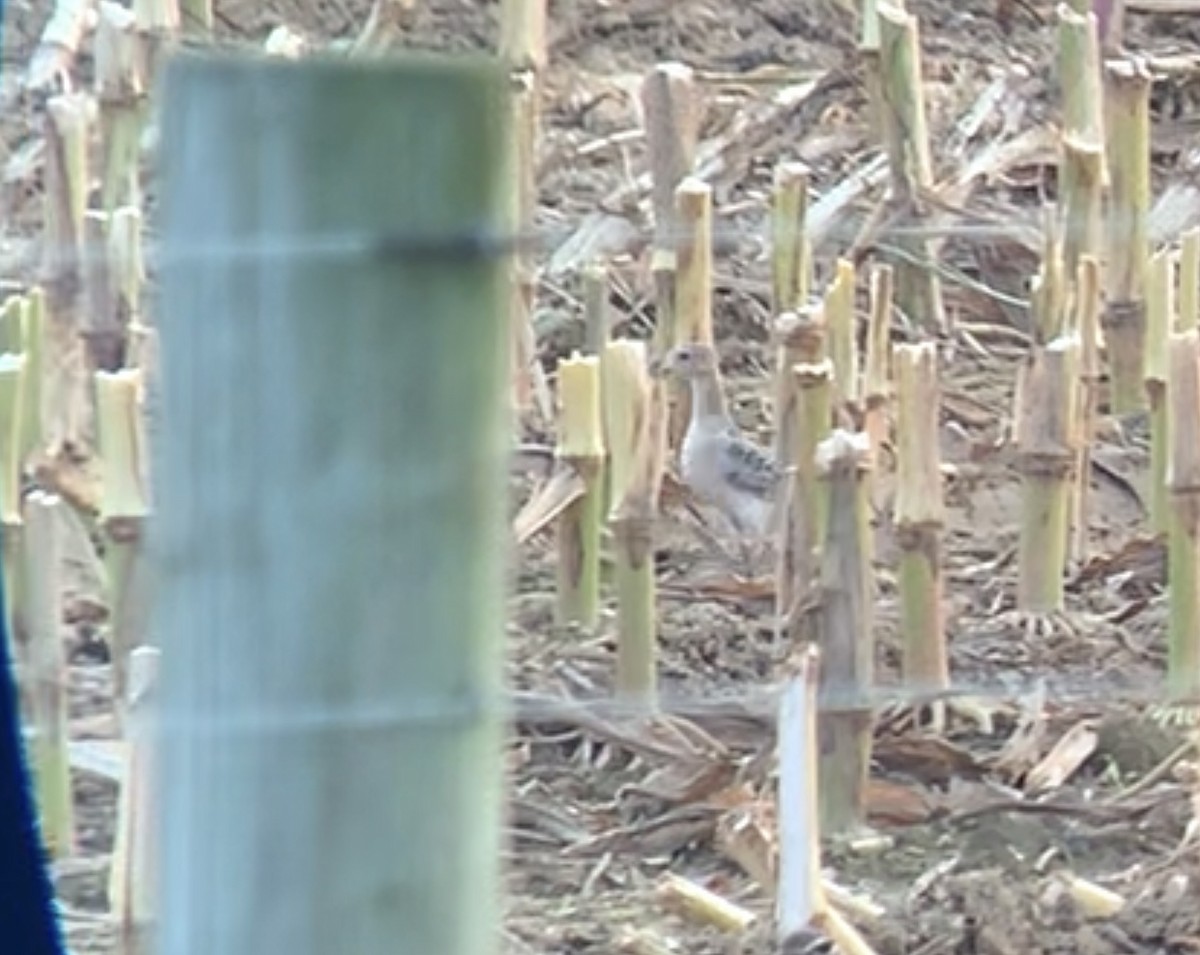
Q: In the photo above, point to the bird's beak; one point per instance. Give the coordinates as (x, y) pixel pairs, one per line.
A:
(657, 366)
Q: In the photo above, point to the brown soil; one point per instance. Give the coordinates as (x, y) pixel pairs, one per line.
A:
(596, 818)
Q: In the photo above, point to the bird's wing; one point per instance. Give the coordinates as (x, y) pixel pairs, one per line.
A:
(747, 467)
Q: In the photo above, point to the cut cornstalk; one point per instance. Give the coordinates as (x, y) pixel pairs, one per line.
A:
(1087, 325)
(33, 345)
(918, 288)
(101, 327)
(46, 670)
(693, 264)
(66, 181)
(1183, 544)
(800, 889)
(671, 111)
(1110, 24)
(197, 16)
(132, 881)
(845, 633)
(523, 47)
(804, 531)
(1046, 428)
(121, 94)
(158, 23)
(636, 442)
(1081, 172)
(920, 516)
(1160, 307)
(124, 508)
(11, 320)
(597, 320)
(581, 447)
(128, 276)
(876, 371)
(597, 316)
(843, 344)
(1048, 289)
(12, 373)
(800, 340)
(868, 53)
(791, 258)
(58, 47)
(1127, 130)
(67, 184)
(693, 286)
(1189, 280)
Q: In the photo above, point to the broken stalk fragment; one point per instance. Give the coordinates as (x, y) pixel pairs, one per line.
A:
(800, 892)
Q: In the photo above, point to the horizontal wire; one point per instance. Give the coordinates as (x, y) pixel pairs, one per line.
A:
(542, 708)
(472, 245)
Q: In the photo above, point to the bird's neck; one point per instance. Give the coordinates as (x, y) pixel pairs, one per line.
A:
(708, 401)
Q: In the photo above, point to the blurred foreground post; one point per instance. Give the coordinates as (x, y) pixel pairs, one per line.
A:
(332, 478)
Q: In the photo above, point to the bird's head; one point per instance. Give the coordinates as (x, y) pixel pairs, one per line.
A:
(689, 361)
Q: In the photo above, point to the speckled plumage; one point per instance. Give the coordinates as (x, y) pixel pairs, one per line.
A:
(717, 462)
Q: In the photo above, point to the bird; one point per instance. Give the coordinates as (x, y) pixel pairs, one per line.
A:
(722, 467)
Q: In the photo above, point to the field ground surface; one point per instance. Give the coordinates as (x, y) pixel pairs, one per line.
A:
(601, 807)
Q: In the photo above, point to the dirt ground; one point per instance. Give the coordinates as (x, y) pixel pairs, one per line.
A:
(969, 850)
